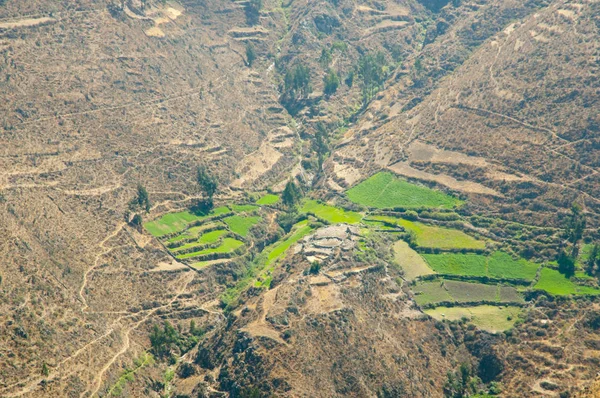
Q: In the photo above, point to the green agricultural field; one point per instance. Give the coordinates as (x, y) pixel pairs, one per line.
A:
(277, 250)
(557, 284)
(457, 264)
(268, 199)
(227, 246)
(434, 237)
(175, 222)
(194, 232)
(501, 265)
(384, 190)
(498, 265)
(431, 292)
(410, 261)
(206, 239)
(331, 214)
(243, 208)
(240, 224)
(486, 317)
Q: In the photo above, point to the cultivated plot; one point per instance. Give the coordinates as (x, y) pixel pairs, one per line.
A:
(384, 190)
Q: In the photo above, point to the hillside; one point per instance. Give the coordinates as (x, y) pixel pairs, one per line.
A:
(398, 187)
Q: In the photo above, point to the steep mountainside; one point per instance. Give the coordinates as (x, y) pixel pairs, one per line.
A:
(494, 104)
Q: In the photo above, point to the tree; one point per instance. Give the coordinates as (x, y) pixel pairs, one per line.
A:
(208, 184)
(566, 264)
(373, 72)
(45, 370)
(252, 10)
(592, 266)
(137, 221)
(321, 144)
(291, 194)
(142, 199)
(164, 340)
(296, 87)
(331, 82)
(325, 58)
(575, 226)
(250, 54)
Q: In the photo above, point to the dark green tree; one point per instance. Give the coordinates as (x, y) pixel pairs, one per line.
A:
(252, 10)
(575, 226)
(566, 264)
(325, 58)
(45, 369)
(142, 199)
(208, 184)
(321, 144)
(164, 340)
(291, 194)
(250, 54)
(331, 82)
(297, 86)
(373, 72)
(592, 265)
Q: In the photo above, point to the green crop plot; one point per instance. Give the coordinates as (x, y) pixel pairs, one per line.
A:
(227, 246)
(243, 208)
(206, 239)
(502, 266)
(194, 232)
(240, 224)
(498, 265)
(175, 222)
(457, 264)
(384, 190)
(278, 249)
(331, 214)
(431, 292)
(557, 284)
(268, 199)
(486, 317)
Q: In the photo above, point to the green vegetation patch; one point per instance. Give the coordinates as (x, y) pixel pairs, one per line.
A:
(227, 246)
(384, 190)
(457, 264)
(331, 214)
(128, 374)
(206, 239)
(268, 199)
(243, 208)
(433, 236)
(194, 232)
(498, 265)
(431, 292)
(176, 222)
(240, 224)
(501, 265)
(557, 284)
(410, 261)
(277, 250)
(486, 317)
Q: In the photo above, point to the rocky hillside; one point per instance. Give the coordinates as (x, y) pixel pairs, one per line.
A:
(107, 102)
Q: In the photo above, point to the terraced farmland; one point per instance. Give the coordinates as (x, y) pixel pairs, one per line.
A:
(331, 214)
(241, 224)
(433, 236)
(486, 317)
(384, 190)
(176, 222)
(440, 291)
(557, 284)
(498, 265)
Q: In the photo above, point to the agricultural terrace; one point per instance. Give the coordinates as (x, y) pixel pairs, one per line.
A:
(384, 190)
(176, 222)
(555, 283)
(268, 199)
(486, 317)
(432, 236)
(440, 291)
(241, 224)
(331, 214)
